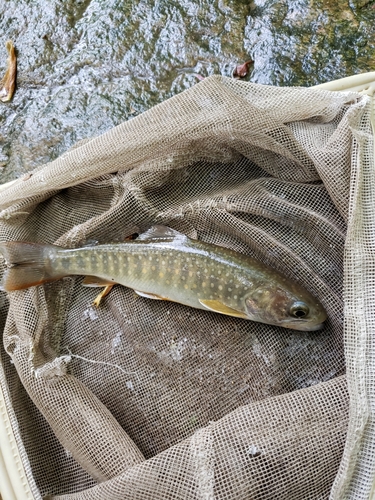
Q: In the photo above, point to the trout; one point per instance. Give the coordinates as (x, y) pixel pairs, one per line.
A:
(164, 264)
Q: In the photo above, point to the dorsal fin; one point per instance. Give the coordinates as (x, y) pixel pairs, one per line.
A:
(91, 243)
(161, 233)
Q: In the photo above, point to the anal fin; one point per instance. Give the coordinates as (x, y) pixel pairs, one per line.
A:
(94, 281)
(102, 294)
(219, 307)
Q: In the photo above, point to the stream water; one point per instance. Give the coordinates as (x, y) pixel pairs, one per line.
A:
(85, 66)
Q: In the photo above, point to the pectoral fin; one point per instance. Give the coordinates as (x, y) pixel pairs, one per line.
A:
(94, 281)
(219, 307)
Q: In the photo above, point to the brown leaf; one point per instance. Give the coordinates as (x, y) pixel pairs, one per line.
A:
(242, 70)
(8, 83)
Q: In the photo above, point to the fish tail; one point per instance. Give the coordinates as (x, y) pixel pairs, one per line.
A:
(28, 265)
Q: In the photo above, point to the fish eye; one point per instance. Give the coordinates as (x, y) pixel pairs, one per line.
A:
(299, 310)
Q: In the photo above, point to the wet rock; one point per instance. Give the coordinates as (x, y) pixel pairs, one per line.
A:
(86, 66)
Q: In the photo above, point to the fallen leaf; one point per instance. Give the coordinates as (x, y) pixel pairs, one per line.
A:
(242, 70)
(8, 83)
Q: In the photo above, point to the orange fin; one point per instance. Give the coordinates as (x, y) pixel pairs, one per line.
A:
(26, 265)
(102, 294)
(19, 278)
(94, 281)
(149, 295)
(219, 307)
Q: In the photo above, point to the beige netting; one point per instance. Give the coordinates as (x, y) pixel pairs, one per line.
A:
(149, 399)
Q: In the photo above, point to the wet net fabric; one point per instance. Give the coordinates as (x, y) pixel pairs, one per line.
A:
(145, 399)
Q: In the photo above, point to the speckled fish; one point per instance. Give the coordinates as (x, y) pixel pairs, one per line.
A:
(166, 265)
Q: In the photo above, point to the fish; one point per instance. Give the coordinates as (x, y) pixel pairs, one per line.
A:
(163, 264)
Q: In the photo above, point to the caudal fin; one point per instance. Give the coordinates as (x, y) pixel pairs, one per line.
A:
(28, 265)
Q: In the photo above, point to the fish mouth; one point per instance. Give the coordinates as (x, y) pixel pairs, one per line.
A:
(304, 327)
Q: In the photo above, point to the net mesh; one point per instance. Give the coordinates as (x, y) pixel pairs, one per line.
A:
(151, 399)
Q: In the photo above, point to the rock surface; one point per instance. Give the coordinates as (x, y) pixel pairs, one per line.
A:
(85, 66)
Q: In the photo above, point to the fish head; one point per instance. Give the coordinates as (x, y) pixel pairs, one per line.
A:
(290, 307)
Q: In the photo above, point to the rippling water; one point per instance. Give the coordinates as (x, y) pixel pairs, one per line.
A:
(85, 66)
